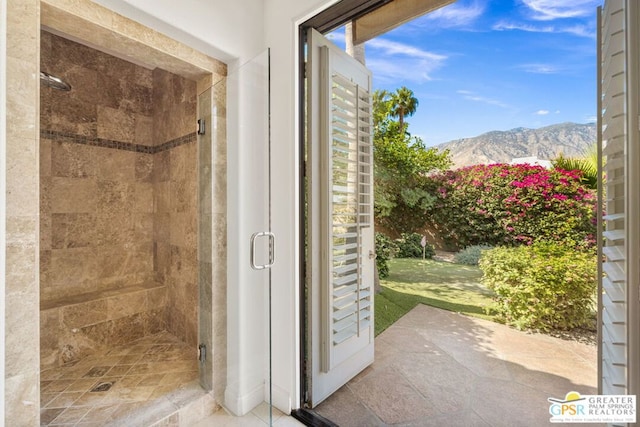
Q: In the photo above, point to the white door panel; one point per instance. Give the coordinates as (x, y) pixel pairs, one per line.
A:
(619, 145)
(341, 236)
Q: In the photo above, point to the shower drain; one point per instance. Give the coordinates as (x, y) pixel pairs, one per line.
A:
(102, 387)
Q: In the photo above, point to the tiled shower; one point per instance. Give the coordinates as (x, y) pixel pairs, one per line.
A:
(118, 210)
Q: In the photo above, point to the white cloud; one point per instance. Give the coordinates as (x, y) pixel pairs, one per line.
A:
(455, 15)
(547, 10)
(389, 47)
(391, 61)
(539, 68)
(576, 30)
(472, 96)
(337, 37)
(542, 112)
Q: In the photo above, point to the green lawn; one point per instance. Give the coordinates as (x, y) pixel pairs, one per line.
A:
(439, 284)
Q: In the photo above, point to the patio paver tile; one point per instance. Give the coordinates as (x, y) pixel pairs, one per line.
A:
(435, 367)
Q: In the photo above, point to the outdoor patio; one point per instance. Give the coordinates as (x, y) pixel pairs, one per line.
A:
(434, 367)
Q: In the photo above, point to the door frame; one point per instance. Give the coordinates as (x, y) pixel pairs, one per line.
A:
(325, 21)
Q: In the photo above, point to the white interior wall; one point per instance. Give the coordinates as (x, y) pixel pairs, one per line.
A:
(281, 35)
(227, 30)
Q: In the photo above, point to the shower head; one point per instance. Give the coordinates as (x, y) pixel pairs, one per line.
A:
(54, 82)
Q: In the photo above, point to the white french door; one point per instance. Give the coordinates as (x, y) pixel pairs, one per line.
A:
(340, 254)
(619, 144)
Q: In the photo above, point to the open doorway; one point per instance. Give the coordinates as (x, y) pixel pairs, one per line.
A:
(542, 405)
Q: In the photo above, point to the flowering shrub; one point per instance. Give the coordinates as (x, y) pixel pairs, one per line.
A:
(543, 286)
(504, 204)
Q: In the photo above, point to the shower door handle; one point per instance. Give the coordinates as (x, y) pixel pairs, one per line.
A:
(272, 250)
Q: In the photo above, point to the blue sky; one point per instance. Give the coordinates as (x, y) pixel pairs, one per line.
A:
(477, 66)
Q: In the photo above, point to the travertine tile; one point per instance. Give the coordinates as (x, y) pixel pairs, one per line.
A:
(74, 195)
(21, 230)
(126, 305)
(109, 92)
(70, 115)
(21, 302)
(161, 164)
(115, 165)
(73, 230)
(69, 160)
(22, 179)
(22, 106)
(82, 79)
(144, 167)
(143, 202)
(143, 129)
(114, 237)
(115, 196)
(45, 157)
(135, 99)
(116, 124)
(73, 270)
(49, 332)
(87, 313)
(21, 396)
(157, 297)
(162, 197)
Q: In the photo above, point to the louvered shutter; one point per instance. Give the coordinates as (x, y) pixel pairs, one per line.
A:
(340, 256)
(348, 188)
(619, 240)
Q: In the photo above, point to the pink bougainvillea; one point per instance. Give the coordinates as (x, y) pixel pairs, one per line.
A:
(513, 204)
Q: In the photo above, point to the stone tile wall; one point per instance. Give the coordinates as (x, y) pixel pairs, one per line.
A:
(96, 183)
(118, 196)
(74, 327)
(175, 202)
(21, 332)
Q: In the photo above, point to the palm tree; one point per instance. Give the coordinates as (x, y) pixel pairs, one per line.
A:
(587, 164)
(380, 100)
(404, 104)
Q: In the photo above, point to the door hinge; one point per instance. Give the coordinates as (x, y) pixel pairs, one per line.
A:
(202, 353)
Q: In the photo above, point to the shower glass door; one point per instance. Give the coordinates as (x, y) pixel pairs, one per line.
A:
(251, 243)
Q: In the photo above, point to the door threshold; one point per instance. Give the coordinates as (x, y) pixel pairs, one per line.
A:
(311, 418)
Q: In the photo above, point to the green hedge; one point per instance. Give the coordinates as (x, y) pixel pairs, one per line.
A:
(543, 286)
(410, 246)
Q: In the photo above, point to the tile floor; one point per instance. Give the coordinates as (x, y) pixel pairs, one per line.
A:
(140, 372)
(435, 367)
(259, 417)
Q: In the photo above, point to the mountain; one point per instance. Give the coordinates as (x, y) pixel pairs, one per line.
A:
(570, 139)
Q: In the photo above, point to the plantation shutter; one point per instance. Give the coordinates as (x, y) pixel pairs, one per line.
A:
(340, 329)
(348, 191)
(619, 241)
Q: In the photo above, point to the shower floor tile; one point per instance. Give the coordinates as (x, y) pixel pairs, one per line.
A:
(131, 376)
